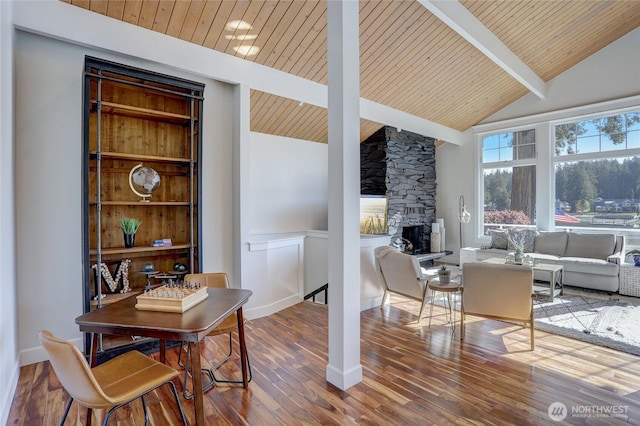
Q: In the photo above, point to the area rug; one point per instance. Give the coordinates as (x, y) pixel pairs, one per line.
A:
(609, 322)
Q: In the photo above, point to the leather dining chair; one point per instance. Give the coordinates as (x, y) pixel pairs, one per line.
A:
(228, 326)
(110, 385)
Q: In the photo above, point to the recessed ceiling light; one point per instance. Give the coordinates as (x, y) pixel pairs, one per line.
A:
(241, 37)
(238, 25)
(247, 50)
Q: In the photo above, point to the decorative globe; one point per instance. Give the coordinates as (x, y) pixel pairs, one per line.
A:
(143, 181)
(180, 267)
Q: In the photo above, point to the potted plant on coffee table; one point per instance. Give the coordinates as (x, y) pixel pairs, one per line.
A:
(129, 228)
(444, 275)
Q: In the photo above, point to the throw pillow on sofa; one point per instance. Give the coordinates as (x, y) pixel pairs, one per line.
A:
(499, 238)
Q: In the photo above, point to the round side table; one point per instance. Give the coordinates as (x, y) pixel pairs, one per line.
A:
(447, 290)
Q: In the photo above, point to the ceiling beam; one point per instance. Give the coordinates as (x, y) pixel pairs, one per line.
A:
(458, 17)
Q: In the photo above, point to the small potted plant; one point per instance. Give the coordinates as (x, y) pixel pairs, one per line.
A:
(444, 275)
(635, 253)
(129, 228)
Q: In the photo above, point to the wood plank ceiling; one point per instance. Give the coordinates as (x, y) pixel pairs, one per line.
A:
(409, 59)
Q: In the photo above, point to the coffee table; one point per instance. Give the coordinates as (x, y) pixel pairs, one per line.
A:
(556, 276)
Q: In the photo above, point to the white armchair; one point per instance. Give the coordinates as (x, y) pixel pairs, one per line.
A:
(401, 273)
(499, 292)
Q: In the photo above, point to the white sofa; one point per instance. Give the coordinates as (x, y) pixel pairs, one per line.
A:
(589, 260)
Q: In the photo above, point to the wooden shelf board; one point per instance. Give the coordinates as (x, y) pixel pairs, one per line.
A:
(142, 204)
(144, 113)
(140, 157)
(143, 249)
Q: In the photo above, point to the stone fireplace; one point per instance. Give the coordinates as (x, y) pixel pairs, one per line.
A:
(401, 165)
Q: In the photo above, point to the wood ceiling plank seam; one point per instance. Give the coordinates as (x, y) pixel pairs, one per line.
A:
(163, 16)
(411, 64)
(85, 4)
(132, 10)
(261, 18)
(368, 28)
(278, 33)
(290, 26)
(98, 6)
(287, 46)
(318, 58)
(148, 14)
(423, 41)
(115, 10)
(205, 21)
(281, 119)
(372, 48)
(367, 8)
(273, 115)
(250, 16)
(461, 81)
(506, 18)
(305, 47)
(454, 48)
(178, 18)
(220, 20)
(191, 20)
(225, 40)
(259, 104)
(315, 126)
(292, 120)
(299, 44)
(382, 31)
(317, 44)
(507, 33)
(480, 9)
(312, 120)
(416, 105)
(456, 71)
(264, 35)
(395, 49)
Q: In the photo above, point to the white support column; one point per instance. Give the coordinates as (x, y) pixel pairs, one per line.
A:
(241, 199)
(344, 369)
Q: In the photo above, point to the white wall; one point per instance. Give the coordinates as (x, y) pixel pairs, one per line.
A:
(9, 367)
(48, 181)
(288, 184)
(612, 73)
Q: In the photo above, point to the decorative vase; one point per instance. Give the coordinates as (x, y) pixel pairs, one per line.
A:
(129, 240)
(444, 278)
(518, 256)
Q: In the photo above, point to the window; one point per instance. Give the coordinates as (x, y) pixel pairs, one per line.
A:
(509, 179)
(611, 133)
(597, 175)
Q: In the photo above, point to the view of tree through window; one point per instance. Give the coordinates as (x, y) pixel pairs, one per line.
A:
(509, 178)
(603, 190)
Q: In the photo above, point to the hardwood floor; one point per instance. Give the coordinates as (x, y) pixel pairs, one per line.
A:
(412, 375)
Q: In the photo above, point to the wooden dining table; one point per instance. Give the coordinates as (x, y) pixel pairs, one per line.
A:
(191, 326)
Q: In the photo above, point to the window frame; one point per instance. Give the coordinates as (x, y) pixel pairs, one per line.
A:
(545, 159)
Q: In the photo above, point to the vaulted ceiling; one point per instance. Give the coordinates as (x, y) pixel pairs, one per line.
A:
(410, 59)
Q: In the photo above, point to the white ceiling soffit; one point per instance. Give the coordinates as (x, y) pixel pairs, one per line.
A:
(458, 17)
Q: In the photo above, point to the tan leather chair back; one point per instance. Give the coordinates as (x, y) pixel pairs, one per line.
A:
(215, 280)
(74, 372)
(497, 290)
(209, 279)
(399, 272)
